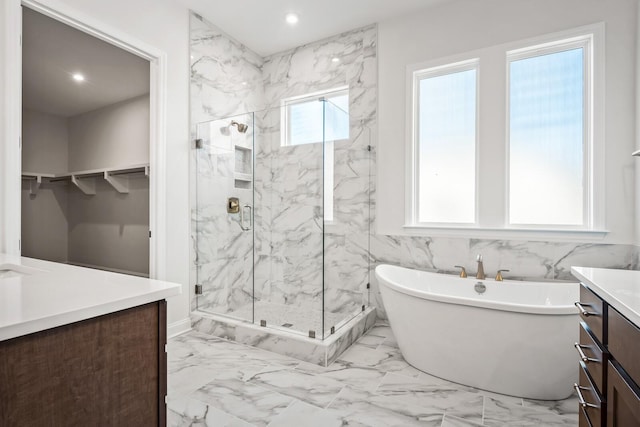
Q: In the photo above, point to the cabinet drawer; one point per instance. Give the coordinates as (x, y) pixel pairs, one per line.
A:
(590, 401)
(592, 311)
(624, 344)
(623, 404)
(593, 357)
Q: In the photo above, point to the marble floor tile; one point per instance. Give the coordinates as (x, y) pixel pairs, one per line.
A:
(357, 407)
(222, 383)
(190, 412)
(498, 413)
(386, 360)
(358, 377)
(371, 341)
(303, 414)
(451, 421)
(561, 407)
(443, 396)
(186, 379)
(314, 389)
(380, 330)
(249, 402)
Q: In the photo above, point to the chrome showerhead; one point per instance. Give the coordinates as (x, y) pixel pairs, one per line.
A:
(242, 128)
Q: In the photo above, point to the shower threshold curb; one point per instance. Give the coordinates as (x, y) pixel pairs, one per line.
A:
(317, 351)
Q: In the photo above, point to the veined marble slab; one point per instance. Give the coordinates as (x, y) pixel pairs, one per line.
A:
(316, 351)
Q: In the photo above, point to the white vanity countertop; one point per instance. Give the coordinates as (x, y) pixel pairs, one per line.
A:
(36, 295)
(620, 288)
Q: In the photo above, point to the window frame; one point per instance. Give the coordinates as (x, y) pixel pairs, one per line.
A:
(417, 74)
(585, 42)
(492, 145)
(301, 99)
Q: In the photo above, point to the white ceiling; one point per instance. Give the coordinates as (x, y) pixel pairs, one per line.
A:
(53, 51)
(260, 24)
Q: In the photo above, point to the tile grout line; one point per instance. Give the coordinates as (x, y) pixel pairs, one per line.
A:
(334, 398)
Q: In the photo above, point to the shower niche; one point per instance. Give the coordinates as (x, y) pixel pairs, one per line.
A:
(292, 264)
(243, 172)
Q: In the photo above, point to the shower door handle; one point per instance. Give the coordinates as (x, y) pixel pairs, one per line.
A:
(243, 215)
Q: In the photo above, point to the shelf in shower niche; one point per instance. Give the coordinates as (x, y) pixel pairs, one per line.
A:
(85, 180)
(246, 177)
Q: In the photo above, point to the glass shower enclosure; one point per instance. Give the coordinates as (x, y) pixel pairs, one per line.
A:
(282, 217)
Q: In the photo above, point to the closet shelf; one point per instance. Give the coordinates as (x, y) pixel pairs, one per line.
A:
(35, 180)
(117, 177)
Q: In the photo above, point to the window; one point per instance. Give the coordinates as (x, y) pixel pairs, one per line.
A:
(307, 120)
(548, 134)
(509, 137)
(445, 161)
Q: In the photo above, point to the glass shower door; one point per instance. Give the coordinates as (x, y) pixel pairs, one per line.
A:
(223, 216)
(347, 215)
(289, 227)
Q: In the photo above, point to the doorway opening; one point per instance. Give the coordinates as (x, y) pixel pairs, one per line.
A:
(86, 149)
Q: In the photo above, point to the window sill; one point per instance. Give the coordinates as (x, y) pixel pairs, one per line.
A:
(508, 233)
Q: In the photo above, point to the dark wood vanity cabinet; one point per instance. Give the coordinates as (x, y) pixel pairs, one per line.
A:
(609, 352)
(104, 371)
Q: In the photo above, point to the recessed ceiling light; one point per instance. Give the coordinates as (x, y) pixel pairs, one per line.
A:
(291, 18)
(78, 77)
(244, 83)
(335, 59)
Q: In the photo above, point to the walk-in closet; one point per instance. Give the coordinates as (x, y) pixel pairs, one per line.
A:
(85, 149)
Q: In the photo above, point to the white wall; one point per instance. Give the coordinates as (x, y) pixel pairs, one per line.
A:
(637, 147)
(117, 135)
(110, 229)
(44, 214)
(44, 142)
(2, 119)
(163, 25)
(466, 25)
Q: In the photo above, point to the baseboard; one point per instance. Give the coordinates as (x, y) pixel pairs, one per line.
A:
(179, 327)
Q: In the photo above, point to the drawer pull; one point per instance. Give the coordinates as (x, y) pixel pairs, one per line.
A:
(583, 311)
(581, 400)
(583, 356)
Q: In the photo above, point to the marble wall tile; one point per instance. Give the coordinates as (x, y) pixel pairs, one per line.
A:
(226, 83)
(526, 260)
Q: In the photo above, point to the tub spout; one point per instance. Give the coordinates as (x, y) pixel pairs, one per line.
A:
(463, 272)
(480, 274)
(499, 277)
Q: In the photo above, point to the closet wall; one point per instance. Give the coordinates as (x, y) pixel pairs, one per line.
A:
(105, 230)
(45, 140)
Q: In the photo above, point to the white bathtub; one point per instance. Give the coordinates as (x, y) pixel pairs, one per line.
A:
(516, 338)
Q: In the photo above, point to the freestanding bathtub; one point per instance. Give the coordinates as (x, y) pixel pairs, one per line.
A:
(513, 337)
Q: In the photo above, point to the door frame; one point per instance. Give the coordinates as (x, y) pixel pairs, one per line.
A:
(12, 167)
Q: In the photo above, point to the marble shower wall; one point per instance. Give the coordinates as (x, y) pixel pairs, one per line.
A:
(226, 81)
(289, 186)
(525, 259)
